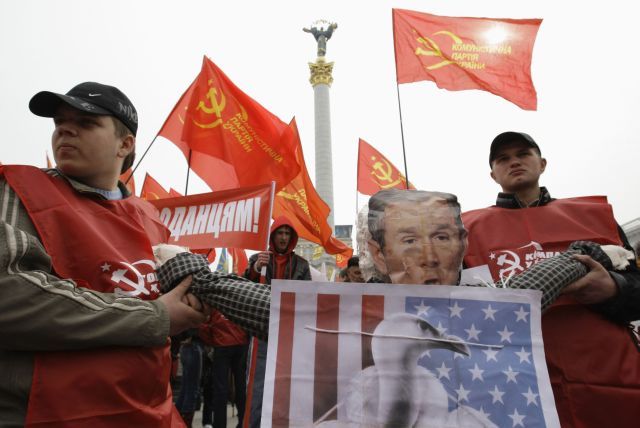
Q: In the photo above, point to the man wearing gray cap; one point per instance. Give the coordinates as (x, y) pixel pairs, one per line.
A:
(592, 356)
(84, 330)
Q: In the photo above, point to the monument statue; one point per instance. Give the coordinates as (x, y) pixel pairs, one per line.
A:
(321, 34)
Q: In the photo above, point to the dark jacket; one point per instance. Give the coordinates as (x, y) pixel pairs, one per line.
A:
(296, 267)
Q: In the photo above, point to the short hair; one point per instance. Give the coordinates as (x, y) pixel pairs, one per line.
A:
(353, 262)
(379, 201)
(121, 132)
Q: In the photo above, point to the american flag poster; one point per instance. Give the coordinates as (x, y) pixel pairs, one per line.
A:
(373, 355)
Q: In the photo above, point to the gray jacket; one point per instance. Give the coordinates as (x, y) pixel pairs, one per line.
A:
(41, 312)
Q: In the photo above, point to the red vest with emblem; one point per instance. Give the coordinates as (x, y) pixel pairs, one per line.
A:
(104, 246)
(593, 363)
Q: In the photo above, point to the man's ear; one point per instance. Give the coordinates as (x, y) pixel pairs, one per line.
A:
(493, 176)
(377, 256)
(127, 145)
(465, 245)
(543, 165)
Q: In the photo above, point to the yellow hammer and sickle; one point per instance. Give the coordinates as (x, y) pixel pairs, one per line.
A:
(286, 195)
(386, 174)
(432, 48)
(216, 107)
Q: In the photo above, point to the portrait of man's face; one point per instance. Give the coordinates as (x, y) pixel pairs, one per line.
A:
(422, 243)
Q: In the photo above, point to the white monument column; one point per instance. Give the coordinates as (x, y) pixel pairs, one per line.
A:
(321, 80)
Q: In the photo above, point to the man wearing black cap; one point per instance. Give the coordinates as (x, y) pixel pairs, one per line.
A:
(83, 331)
(591, 356)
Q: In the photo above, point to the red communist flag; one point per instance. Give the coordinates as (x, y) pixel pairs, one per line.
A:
(376, 172)
(229, 139)
(458, 53)
(174, 193)
(240, 260)
(302, 205)
(152, 190)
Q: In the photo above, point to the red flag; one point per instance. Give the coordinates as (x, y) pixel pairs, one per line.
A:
(240, 260)
(230, 139)
(341, 261)
(152, 190)
(376, 172)
(300, 203)
(127, 178)
(228, 218)
(458, 53)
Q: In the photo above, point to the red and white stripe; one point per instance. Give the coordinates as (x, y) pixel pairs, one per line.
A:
(315, 359)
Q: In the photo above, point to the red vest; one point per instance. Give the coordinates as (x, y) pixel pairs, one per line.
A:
(104, 246)
(219, 331)
(594, 366)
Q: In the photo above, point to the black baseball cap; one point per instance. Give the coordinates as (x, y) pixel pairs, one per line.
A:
(90, 97)
(511, 137)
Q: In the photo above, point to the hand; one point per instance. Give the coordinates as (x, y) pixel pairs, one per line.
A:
(595, 287)
(263, 260)
(185, 310)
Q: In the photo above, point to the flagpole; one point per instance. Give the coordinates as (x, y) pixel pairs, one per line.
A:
(404, 154)
(186, 186)
(263, 271)
(140, 161)
(357, 178)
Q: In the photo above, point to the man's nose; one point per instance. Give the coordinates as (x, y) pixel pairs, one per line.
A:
(429, 255)
(65, 128)
(514, 161)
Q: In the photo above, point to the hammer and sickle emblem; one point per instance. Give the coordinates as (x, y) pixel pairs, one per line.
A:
(290, 196)
(385, 177)
(513, 264)
(431, 48)
(138, 286)
(149, 196)
(215, 107)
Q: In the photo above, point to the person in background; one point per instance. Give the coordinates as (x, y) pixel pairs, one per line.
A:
(229, 345)
(280, 262)
(191, 355)
(353, 270)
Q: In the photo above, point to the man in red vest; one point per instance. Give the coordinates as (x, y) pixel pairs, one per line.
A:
(84, 330)
(593, 360)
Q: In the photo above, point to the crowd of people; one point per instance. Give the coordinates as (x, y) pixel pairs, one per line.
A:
(84, 342)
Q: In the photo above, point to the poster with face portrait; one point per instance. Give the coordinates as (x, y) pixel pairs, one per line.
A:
(412, 237)
(378, 355)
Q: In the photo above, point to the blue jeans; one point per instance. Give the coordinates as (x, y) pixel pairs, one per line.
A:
(216, 389)
(191, 360)
(258, 385)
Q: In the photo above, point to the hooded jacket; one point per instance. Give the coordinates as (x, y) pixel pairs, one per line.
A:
(286, 265)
